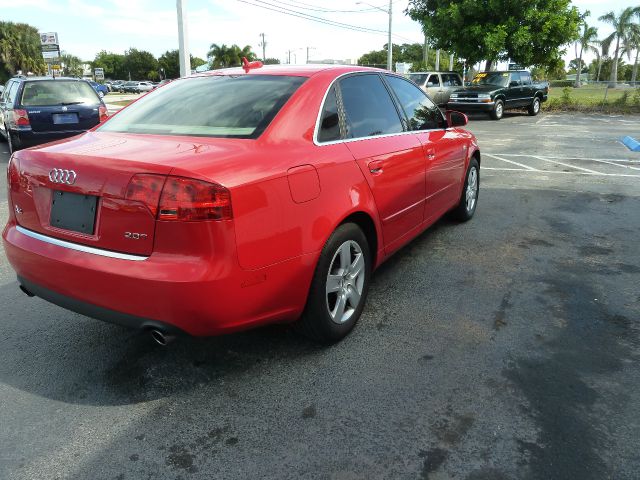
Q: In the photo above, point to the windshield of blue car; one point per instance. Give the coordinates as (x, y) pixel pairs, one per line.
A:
(498, 79)
(213, 106)
(57, 92)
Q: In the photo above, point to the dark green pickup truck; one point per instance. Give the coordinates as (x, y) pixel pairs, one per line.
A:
(495, 92)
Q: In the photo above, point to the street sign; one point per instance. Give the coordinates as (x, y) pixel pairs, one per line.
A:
(99, 73)
(515, 66)
(55, 67)
(49, 38)
(54, 55)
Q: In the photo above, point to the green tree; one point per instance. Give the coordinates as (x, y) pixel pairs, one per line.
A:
(71, 65)
(140, 65)
(221, 56)
(621, 36)
(19, 50)
(271, 61)
(528, 33)
(588, 41)
(112, 63)
(634, 43)
(169, 63)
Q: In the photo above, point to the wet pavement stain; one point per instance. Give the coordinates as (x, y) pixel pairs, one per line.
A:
(309, 412)
(561, 399)
(433, 460)
(501, 314)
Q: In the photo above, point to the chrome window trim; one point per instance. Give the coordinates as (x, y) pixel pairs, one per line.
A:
(79, 248)
(349, 140)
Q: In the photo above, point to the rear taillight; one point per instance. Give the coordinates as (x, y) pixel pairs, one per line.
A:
(187, 199)
(103, 112)
(21, 118)
(146, 188)
(179, 198)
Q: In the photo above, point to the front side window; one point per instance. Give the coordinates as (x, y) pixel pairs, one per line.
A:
(451, 80)
(227, 106)
(418, 78)
(369, 110)
(57, 92)
(423, 114)
(11, 94)
(330, 120)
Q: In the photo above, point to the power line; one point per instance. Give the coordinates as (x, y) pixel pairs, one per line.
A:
(306, 16)
(317, 8)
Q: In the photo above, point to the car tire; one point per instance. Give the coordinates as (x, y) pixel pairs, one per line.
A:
(337, 294)
(534, 108)
(469, 196)
(498, 110)
(11, 143)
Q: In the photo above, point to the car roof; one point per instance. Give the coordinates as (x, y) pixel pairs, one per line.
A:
(293, 70)
(433, 71)
(44, 79)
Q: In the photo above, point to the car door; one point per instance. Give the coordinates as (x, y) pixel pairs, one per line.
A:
(434, 88)
(527, 87)
(444, 153)
(6, 104)
(391, 160)
(514, 91)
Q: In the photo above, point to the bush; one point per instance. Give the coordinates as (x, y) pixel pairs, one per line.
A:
(561, 83)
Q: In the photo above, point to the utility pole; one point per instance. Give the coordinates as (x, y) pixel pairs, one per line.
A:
(451, 62)
(183, 39)
(438, 60)
(425, 53)
(309, 48)
(389, 43)
(263, 44)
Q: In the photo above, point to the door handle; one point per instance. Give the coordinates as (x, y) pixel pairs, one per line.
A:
(375, 167)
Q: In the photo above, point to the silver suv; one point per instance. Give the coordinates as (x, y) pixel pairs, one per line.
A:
(438, 85)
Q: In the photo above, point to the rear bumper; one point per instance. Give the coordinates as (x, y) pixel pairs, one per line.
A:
(192, 294)
(470, 106)
(29, 138)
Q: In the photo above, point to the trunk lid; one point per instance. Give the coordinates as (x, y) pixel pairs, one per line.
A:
(61, 118)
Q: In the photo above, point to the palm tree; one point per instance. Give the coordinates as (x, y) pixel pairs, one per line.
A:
(634, 42)
(587, 41)
(622, 26)
(224, 56)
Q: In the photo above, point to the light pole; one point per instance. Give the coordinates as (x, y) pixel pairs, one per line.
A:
(183, 41)
(389, 44)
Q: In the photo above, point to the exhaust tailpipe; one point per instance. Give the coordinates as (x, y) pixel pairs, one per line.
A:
(26, 292)
(160, 337)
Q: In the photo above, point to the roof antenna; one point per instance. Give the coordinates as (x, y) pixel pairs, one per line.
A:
(247, 65)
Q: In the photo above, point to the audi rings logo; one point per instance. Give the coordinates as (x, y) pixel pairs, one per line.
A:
(58, 175)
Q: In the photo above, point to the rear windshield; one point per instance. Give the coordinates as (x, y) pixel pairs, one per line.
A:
(57, 92)
(214, 106)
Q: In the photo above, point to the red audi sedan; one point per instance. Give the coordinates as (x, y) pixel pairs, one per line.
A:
(238, 198)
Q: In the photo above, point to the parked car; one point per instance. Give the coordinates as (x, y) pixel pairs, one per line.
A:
(36, 110)
(100, 89)
(438, 85)
(129, 87)
(495, 92)
(162, 82)
(144, 87)
(115, 85)
(228, 200)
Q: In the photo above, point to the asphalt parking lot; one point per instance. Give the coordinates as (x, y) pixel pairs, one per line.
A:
(503, 348)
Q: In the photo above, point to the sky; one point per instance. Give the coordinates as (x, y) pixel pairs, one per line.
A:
(87, 26)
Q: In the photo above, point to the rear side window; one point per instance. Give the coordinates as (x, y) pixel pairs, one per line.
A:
(330, 120)
(423, 114)
(515, 79)
(526, 78)
(418, 78)
(227, 106)
(451, 80)
(57, 92)
(433, 81)
(369, 110)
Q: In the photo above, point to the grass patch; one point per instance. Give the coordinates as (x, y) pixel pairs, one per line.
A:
(121, 103)
(592, 99)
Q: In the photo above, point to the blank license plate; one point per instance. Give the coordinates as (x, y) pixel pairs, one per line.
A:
(73, 211)
(63, 118)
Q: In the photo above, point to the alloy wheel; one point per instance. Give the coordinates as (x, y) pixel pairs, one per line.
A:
(472, 189)
(345, 281)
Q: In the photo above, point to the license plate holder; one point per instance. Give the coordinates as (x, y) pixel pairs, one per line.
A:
(65, 118)
(73, 211)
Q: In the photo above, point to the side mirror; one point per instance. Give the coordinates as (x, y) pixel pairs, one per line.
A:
(456, 119)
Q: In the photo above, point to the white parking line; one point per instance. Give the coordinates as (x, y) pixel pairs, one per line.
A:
(559, 172)
(512, 162)
(565, 164)
(571, 158)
